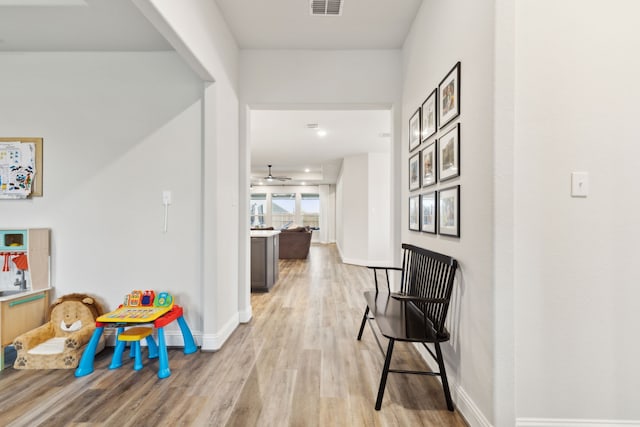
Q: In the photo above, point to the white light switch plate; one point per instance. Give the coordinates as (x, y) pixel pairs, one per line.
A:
(166, 197)
(579, 184)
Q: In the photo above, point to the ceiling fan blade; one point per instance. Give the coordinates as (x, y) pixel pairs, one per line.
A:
(270, 177)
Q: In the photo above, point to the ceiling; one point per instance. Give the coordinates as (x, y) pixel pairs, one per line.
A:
(76, 25)
(285, 140)
(277, 137)
(288, 24)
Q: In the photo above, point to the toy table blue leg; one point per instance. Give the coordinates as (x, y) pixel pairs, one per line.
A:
(85, 367)
(137, 364)
(189, 343)
(116, 360)
(152, 348)
(164, 370)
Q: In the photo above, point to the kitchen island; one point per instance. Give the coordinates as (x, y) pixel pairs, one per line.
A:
(264, 259)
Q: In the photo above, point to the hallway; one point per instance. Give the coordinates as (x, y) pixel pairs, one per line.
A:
(297, 363)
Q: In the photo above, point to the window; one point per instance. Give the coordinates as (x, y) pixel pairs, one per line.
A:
(283, 209)
(258, 210)
(310, 210)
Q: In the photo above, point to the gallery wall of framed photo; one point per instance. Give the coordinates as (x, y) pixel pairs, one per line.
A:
(434, 159)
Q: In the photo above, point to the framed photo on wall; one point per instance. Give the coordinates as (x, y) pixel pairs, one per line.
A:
(414, 213)
(414, 130)
(449, 154)
(449, 95)
(429, 164)
(429, 111)
(428, 212)
(414, 172)
(449, 211)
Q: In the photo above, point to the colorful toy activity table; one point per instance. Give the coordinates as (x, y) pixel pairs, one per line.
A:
(131, 316)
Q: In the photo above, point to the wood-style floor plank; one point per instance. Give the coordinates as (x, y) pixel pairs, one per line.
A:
(296, 363)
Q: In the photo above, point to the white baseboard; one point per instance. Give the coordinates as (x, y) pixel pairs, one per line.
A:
(469, 410)
(366, 262)
(214, 342)
(462, 401)
(566, 422)
(244, 316)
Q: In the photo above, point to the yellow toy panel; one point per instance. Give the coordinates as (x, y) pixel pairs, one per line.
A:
(133, 314)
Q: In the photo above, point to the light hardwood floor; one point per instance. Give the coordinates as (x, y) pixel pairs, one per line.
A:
(297, 363)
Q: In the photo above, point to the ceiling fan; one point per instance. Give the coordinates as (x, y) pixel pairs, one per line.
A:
(270, 177)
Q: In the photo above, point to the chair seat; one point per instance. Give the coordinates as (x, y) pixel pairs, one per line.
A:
(135, 334)
(401, 320)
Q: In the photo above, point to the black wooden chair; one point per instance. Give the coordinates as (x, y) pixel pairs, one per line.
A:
(415, 314)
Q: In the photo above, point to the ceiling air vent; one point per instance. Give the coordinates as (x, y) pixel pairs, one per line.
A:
(326, 7)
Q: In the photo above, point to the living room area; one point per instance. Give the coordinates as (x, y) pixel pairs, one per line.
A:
(321, 177)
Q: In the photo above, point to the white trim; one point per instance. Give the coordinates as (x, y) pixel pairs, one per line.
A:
(462, 401)
(213, 342)
(469, 410)
(367, 262)
(244, 316)
(568, 422)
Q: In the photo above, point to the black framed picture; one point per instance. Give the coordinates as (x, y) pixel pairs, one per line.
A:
(449, 211)
(449, 95)
(429, 164)
(428, 212)
(414, 130)
(429, 112)
(449, 154)
(414, 172)
(414, 213)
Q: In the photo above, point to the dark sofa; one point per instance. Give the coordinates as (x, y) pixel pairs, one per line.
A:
(295, 243)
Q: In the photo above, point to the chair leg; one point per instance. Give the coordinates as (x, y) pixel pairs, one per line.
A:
(443, 377)
(385, 372)
(364, 321)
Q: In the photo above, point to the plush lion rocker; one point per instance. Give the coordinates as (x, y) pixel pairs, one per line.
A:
(59, 343)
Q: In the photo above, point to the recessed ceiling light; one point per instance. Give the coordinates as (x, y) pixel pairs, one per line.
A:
(303, 183)
(307, 170)
(321, 133)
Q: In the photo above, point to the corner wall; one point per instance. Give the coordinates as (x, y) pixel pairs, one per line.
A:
(577, 300)
(198, 32)
(111, 123)
(442, 34)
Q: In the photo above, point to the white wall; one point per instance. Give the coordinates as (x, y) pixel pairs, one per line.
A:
(118, 129)
(364, 202)
(354, 242)
(379, 208)
(442, 34)
(196, 29)
(577, 297)
(327, 213)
